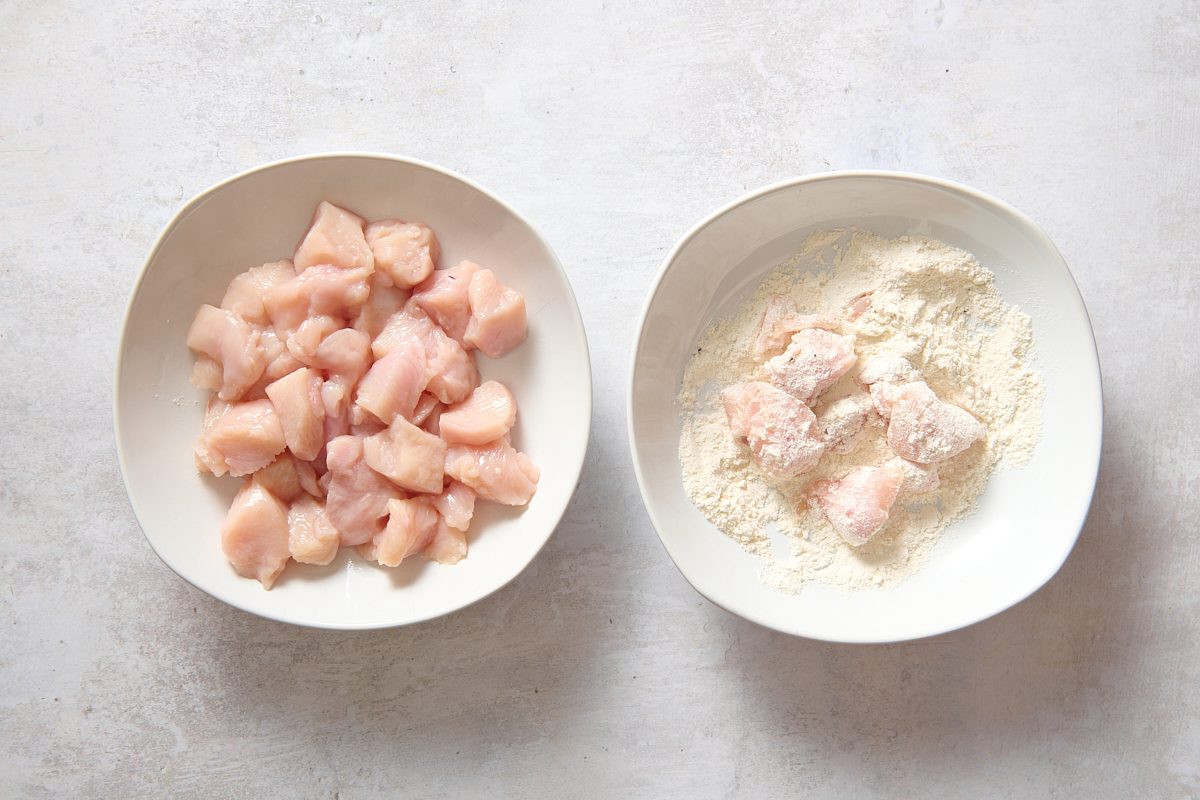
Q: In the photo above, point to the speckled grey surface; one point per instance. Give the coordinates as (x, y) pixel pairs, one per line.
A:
(598, 672)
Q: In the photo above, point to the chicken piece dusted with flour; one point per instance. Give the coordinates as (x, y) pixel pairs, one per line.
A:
(883, 376)
(841, 423)
(857, 505)
(780, 430)
(926, 429)
(406, 252)
(813, 361)
(230, 343)
(335, 238)
(780, 321)
(254, 535)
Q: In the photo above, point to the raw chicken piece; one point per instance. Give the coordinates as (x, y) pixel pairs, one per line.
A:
(497, 322)
(926, 429)
(444, 296)
(426, 406)
(450, 369)
(394, 383)
(335, 399)
(254, 534)
(245, 293)
(383, 301)
(489, 413)
(302, 343)
(447, 545)
(780, 321)
(206, 374)
(312, 539)
(356, 495)
(841, 422)
(918, 478)
(780, 430)
(334, 238)
(858, 305)
(495, 471)
(456, 504)
(240, 438)
(297, 400)
(279, 361)
(404, 251)
(345, 355)
(232, 343)
(410, 526)
(858, 505)
(363, 423)
(286, 478)
(432, 422)
(408, 456)
(812, 363)
(321, 290)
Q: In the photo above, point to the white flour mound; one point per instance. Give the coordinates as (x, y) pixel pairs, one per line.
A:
(932, 304)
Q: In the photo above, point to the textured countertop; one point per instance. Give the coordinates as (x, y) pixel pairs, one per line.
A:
(599, 671)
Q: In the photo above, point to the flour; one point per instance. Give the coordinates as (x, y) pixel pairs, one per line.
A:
(931, 304)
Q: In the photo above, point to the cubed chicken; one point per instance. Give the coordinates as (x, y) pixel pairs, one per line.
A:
(287, 478)
(841, 423)
(254, 535)
(445, 297)
(427, 405)
(407, 456)
(297, 400)
(857, 506)
(394, 383)
(383, 301)
(780, 321)
(404, 251)
(318, 291)
(450, 369)
(488, 414)
(456, 504)
(927, 430)
(206, 374)
(312, 538)
(245, 294)
(883, 375)
(411, 524)
(335, 238)
(813, 362)
(780, 430)
(239, 438)
(302, 343)
(345, 356)
(497, 322)
(496, 471)
(447, 545)
(232, 343)
(356, 495)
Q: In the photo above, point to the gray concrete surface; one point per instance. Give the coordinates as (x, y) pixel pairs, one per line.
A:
(599, 672)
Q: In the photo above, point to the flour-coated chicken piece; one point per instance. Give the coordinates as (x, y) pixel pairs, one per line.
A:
(858, 504)
(780, 430)
(813, 361)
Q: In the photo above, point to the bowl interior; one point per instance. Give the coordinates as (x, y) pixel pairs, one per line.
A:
(1028, 519)
(261, 216)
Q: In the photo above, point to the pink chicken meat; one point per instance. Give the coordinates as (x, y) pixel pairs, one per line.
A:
(779, 429)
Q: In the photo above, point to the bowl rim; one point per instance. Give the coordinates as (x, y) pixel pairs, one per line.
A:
(748, 611)
(182, 213)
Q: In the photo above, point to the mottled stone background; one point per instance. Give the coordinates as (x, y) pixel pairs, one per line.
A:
(598, 672)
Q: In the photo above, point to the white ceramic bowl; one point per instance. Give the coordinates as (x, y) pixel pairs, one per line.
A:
(1027, 521)
(259, 216)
